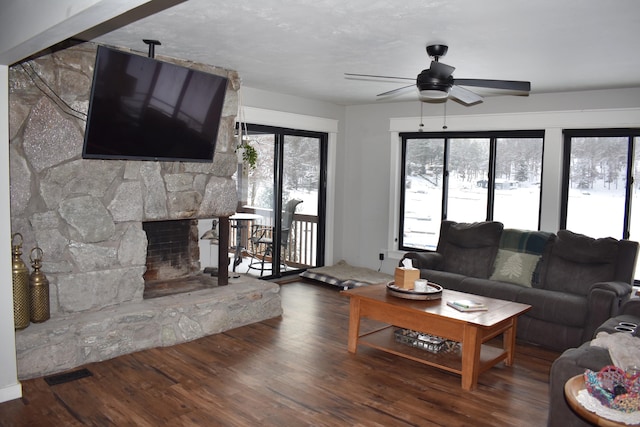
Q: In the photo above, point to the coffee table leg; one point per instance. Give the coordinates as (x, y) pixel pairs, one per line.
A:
(509, 342)
(471, 345)
(354, 324)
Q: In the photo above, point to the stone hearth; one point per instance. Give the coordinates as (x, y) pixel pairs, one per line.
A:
(87, 215)
(72, 340)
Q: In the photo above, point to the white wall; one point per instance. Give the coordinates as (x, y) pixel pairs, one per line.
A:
(9, 386)
(257, 98)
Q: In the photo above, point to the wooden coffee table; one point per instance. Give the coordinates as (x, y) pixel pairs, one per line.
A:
(434, 317)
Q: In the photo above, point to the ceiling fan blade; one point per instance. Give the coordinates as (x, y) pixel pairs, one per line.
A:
(395, 91)
(441, 70)
(515, 85)
(464, 95)
(371, 76)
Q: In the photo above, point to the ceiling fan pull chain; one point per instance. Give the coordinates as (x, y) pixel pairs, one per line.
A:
(444, 126)
(421, 128)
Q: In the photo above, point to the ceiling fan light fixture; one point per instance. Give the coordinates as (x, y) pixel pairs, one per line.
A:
(436, 83)
(429, 94)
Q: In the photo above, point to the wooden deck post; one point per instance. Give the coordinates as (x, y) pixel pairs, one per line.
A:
(223, 252)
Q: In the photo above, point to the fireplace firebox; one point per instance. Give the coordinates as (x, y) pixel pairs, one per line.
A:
(173, 258)
(172, 249)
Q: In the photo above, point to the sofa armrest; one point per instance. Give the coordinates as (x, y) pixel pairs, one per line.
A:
(631, 307)
(620, 289)
(424, 260)
(605, 300)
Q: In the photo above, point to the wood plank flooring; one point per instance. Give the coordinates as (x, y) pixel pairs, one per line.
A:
(290, 371)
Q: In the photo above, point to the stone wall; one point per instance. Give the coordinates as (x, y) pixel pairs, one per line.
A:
(86, 215)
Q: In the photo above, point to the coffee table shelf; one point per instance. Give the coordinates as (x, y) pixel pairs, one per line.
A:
(384, 340)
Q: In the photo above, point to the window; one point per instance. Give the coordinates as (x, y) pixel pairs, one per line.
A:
(598, 192)
(468, 177)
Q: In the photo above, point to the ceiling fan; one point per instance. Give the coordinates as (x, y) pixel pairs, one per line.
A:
(437, 82)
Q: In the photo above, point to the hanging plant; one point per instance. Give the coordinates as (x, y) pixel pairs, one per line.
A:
(249, 154)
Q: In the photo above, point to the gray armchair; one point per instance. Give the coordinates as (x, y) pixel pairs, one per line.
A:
(576, 360)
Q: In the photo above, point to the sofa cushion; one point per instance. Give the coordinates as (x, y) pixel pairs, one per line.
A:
(475, 235)
(577, 261)
(489, 288)
(555, 307)
(470, 249)
(580, 248)
(443, 278)
(519, 254)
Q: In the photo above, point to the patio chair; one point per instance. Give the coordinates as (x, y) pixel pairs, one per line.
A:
(262, 239)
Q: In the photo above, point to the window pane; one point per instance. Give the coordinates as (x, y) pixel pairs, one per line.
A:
(468, 174)
(517, 187)
(260, 188)
(422, 192)
(597, 179)
(301, 181)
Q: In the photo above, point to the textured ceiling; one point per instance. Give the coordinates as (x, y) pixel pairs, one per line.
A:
(304, 47)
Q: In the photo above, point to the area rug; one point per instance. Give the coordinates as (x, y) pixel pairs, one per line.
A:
(346, 276)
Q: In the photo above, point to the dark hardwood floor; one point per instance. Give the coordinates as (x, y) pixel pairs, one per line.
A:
(289, 371)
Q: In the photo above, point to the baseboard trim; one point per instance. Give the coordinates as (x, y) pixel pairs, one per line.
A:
(11, 392)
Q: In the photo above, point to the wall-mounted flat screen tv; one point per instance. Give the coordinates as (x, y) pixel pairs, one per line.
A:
(144, 109)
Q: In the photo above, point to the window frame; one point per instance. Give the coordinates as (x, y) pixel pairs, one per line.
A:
(568, 134)
(492, 136)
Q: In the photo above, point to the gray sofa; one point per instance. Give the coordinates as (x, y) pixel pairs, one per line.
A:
(574, 283)
(575, 361)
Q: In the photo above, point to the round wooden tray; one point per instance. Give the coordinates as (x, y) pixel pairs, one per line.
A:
(434, 291)
(571, 389)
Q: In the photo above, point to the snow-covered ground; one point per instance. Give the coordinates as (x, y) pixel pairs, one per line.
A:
(467, 202)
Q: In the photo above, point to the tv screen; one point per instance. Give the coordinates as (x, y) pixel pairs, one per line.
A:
(144, 109)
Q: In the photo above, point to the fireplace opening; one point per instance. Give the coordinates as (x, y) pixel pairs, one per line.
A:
(173, 258)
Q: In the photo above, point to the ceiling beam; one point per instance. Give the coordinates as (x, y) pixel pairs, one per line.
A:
(29, 26)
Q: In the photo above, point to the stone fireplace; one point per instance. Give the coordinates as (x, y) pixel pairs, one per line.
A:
(89, 216)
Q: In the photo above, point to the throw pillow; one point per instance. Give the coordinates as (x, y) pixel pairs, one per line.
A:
(515, 267)
(529, 247)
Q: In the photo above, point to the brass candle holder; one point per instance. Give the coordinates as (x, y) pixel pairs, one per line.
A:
(38, 289)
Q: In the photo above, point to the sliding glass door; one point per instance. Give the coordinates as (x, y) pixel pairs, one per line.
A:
(286, 189)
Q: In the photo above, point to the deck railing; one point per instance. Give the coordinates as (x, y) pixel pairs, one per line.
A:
(301, 248)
